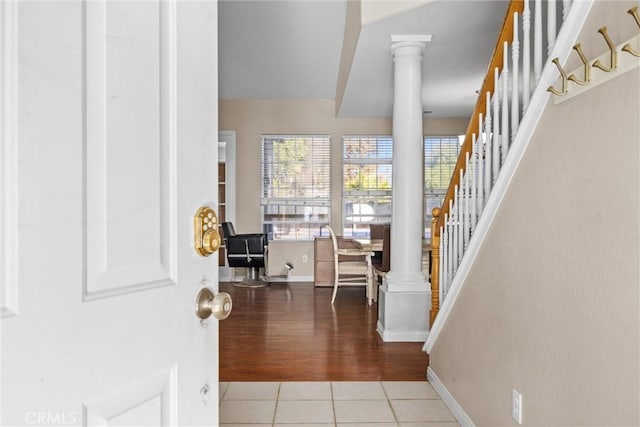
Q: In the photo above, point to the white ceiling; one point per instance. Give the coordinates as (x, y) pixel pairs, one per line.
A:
(291, 49)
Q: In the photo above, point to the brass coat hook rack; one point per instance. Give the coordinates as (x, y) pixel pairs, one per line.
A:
(623, 64)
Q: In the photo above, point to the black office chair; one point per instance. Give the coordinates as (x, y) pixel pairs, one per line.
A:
(246, 251)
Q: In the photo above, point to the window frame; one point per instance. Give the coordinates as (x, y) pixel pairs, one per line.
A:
(441, 192)
(350, 227)
(311, 205)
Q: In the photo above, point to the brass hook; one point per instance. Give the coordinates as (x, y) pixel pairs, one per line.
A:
(612, 48)
(587, 69)
(627, 47)
(564, 80)
(634, 12)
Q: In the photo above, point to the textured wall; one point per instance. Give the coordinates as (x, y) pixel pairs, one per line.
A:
(551, 304)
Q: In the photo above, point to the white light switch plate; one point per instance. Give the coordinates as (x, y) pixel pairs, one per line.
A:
(516, 406)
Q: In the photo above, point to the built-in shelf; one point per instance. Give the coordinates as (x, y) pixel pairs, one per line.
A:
(226, 192)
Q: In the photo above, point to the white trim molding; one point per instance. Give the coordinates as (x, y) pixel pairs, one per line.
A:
(162, 386)
(402, 336)
(411, 38)
(8, 159)
(563, 47)
(293, 279)
(447, 398)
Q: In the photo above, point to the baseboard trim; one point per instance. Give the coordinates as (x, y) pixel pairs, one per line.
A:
(270, 279)
(400, 336)
(279, 279)
(447, 398)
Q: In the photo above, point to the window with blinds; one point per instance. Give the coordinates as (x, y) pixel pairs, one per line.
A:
(440, 157)
(296, 186)
(366, 182)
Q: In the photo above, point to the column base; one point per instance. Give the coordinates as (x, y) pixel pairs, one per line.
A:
(403, 310)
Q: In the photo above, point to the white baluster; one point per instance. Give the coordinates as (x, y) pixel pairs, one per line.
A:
(445, 255)
(449, 244)
(441, 275)
(496, 125)
(505, 105)
(526, 56)
(463, 209)
(460, 210)
(551, 25)
(537, 40)
(454, 237)
(487, 145)
(566, 5)
(515, 59)
(474, 187)
(467, 219)
(479, 148)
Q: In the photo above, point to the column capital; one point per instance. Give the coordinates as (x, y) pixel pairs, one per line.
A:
(414, 40)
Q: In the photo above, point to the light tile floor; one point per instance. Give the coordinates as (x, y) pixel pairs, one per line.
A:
(323, 404)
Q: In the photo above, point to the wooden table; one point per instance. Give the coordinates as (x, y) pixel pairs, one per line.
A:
(370, 245)
(375, 245)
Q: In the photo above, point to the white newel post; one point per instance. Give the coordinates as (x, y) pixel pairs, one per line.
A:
(405, 296)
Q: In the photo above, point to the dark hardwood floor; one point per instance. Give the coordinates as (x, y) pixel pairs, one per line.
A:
(291, 332)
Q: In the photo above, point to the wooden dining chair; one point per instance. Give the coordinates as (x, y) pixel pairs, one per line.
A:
(352, 267)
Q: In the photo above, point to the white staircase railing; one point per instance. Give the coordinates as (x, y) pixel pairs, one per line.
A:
(496, 140)
(503, 102)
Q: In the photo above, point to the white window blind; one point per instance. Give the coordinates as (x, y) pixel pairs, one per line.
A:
(366, 182)
(296, 185)
(440, 157)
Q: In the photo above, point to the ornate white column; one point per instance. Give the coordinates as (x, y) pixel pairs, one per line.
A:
(404, 301)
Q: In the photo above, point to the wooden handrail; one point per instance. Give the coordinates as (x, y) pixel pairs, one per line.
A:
(435, 267)
(506, 35)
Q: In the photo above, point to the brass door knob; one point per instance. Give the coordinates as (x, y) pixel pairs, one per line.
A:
(208, 303)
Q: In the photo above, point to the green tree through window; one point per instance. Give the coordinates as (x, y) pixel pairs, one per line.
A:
(366, 182)
(295, 185)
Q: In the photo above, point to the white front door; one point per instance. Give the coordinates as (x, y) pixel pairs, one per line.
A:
(108, 146)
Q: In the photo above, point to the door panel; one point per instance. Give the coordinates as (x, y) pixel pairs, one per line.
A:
(116, 132)
(130, 146)
(146, 402)
(8, 156)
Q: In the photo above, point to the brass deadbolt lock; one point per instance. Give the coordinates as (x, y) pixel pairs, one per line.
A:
(206, 235)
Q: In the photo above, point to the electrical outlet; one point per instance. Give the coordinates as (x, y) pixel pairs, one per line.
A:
(304, 258)
(516, 406)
